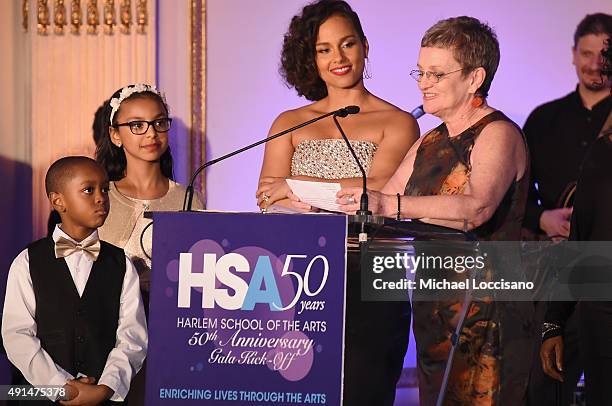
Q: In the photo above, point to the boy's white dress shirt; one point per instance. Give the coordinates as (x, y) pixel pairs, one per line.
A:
(19, 327)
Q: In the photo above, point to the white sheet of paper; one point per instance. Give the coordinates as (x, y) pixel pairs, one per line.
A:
(316, 194)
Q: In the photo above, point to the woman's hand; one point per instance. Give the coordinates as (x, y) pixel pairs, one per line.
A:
(378, 203)
(300, 205)
(271, 189)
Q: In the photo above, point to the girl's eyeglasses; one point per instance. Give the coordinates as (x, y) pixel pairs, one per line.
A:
(160, 125)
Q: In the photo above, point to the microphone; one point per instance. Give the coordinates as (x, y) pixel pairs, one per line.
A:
(346, 111)
(418, 112)
(343, 112)
(363, 203)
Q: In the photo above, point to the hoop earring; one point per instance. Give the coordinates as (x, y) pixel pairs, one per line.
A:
(477, 101)
(367, 69)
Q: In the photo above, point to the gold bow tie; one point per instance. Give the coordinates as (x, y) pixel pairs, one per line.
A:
(65, 247)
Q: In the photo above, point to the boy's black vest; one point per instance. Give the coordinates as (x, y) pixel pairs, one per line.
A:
(77, 332)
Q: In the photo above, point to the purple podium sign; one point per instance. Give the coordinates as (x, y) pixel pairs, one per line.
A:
(246, 309)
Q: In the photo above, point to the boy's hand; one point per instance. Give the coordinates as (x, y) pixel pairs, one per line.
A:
(87, 379)
(72, 392)
(87, 394)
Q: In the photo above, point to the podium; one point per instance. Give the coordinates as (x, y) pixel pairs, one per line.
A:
(252, 308)
(378, 324)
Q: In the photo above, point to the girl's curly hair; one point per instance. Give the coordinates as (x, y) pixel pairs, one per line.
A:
(298, 66)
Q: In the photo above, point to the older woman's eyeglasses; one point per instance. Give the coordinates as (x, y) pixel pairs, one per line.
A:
(435, 77)
(161, 125)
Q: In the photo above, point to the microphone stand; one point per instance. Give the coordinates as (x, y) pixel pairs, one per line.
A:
(363, 213)
(363, 204)
(188, 200)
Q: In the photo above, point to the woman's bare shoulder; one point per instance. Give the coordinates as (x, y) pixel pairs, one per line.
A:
(501, 131)
(295, 116)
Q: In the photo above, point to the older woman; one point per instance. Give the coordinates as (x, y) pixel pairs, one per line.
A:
(471, 173)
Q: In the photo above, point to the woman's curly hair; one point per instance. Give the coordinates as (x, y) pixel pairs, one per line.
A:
(298, 66)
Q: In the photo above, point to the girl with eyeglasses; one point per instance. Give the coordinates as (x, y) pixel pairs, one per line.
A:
(133, 148)
(132, 145)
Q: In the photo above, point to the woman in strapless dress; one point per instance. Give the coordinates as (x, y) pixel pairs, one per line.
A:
(324, 58)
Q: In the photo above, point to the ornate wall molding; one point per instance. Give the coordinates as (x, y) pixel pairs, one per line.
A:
(42, 17)
(125, 14)
(104, 12)
(198, 88)
(93, 17)
(141, 16)
(59, 13)
(110, 16)
(25, 14)
(76, 17)
(71, 75)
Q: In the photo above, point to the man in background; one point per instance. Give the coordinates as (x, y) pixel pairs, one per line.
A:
(559, 134)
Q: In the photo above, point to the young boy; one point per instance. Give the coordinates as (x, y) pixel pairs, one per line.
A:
(73, 307)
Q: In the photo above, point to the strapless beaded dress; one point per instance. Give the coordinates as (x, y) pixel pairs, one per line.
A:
(330, 158)
(376, 333)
